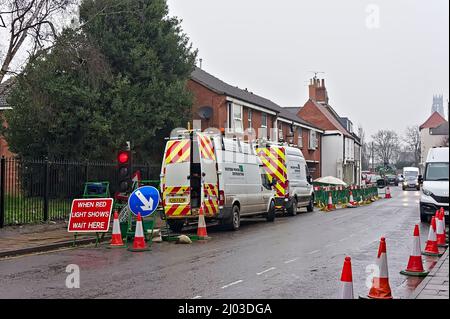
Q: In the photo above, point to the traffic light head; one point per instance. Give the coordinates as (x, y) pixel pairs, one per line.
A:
(124, 161)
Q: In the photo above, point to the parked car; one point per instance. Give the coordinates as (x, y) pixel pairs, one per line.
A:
(391, 180)
(435, 189)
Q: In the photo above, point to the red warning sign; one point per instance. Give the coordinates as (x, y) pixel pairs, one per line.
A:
(90, 215)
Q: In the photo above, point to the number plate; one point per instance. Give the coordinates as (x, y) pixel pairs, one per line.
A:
(177, 200)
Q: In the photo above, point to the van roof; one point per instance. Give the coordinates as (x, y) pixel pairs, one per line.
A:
(437, 154)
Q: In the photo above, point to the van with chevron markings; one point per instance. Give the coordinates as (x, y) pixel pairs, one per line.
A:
(223, 176)
(287, 170)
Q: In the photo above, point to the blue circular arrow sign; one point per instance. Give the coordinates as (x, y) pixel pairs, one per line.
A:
(144, 200)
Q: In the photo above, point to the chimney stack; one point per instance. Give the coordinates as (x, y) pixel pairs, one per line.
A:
(318, 91)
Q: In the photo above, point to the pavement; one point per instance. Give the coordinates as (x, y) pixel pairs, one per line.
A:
(436, 284)
(293, 257)
(25, 239)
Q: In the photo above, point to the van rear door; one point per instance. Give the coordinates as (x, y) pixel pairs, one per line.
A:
(175, 182)
(274, 163)
(209, 180)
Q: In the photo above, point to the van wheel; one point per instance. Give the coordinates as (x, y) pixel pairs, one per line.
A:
(176, 225)
(270, 217)
(235, 222)
(424, 218)
(310, 207)
(292, 210)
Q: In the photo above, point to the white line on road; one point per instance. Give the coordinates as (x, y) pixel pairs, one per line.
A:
(197, 297)
(313, 252)
(329, 245)
(291, 260)
(264, 271)
(232, 284)
(340, 240)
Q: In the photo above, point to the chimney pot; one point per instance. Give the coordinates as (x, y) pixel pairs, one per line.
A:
(323, 82)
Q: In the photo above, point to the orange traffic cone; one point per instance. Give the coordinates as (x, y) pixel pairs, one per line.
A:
(139, 240)
(440, 229)
(415, 264)
(443, 219)
(201, 229)
(380, 285)
(116, 238)
(351, 200)
(431, 248)
(346, 291)
(330, 201)
(388, 193)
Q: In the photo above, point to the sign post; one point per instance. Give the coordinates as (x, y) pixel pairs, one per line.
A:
(90, 215)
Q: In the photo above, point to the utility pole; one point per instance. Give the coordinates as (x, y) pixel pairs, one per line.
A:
(372, 156)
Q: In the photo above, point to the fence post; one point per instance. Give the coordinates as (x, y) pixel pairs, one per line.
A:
(46, 186)
(2, 191)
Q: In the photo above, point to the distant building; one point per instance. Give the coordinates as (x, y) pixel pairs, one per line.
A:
(438, 105)
(433, 133)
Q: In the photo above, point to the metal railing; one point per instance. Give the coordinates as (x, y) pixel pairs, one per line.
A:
(33, 191)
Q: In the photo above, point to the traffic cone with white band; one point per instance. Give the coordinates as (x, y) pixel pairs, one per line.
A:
(201, 229)
(380, 283)
(139, 239)
(116, 237)
(431, 248)
(443, 219)
(388, 193)
(346, 291)
(351, 200)
(330, 201)
(415, 264)
(440, 229)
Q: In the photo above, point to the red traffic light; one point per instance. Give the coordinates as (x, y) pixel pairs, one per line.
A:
(123, 157)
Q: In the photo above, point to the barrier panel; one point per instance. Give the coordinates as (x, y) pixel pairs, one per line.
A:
(340, 195)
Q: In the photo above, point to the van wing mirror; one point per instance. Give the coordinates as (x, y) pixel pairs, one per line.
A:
(274, 182)
(420, 179)
(309, 179)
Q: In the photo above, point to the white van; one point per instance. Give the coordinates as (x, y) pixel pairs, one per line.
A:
(222, 175)
(410, 178)
(286, 168)
(435, 193)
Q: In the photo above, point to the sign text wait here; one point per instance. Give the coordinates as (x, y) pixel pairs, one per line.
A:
(90, 215)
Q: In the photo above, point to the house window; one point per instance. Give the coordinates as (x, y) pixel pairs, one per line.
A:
(312, 140)
(237, 118)
(300, 137)
(280, 131)
(250, 118)
(263, 120)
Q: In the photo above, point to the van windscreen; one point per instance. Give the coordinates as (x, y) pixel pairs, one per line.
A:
(436, 172)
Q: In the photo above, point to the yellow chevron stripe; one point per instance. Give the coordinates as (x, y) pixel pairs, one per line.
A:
(179, 210)
(273, 169)
(206, 150)
(174, 152)
(280, 153)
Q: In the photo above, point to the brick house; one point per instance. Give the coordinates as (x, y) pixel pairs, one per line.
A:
(341, 146)
(433, 133)
(239, 109)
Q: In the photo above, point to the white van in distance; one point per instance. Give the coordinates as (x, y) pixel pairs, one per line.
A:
(410, 178)
(435, 192)
(222, 175)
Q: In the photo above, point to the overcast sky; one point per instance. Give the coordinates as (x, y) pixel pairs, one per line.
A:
(380, 74)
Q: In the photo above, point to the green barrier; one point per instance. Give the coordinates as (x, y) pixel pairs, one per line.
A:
(340, 195)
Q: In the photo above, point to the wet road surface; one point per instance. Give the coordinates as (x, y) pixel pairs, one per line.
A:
(294, 257)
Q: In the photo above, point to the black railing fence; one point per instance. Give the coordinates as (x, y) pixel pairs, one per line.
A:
(39, 190)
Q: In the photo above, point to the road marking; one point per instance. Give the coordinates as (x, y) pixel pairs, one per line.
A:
(313, 252)
(329, 245)
(264, 271)
(197, 297)
(291, 260)
(340, 240)
(232, 284)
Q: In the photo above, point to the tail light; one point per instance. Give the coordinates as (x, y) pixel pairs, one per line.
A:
(221, 198)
